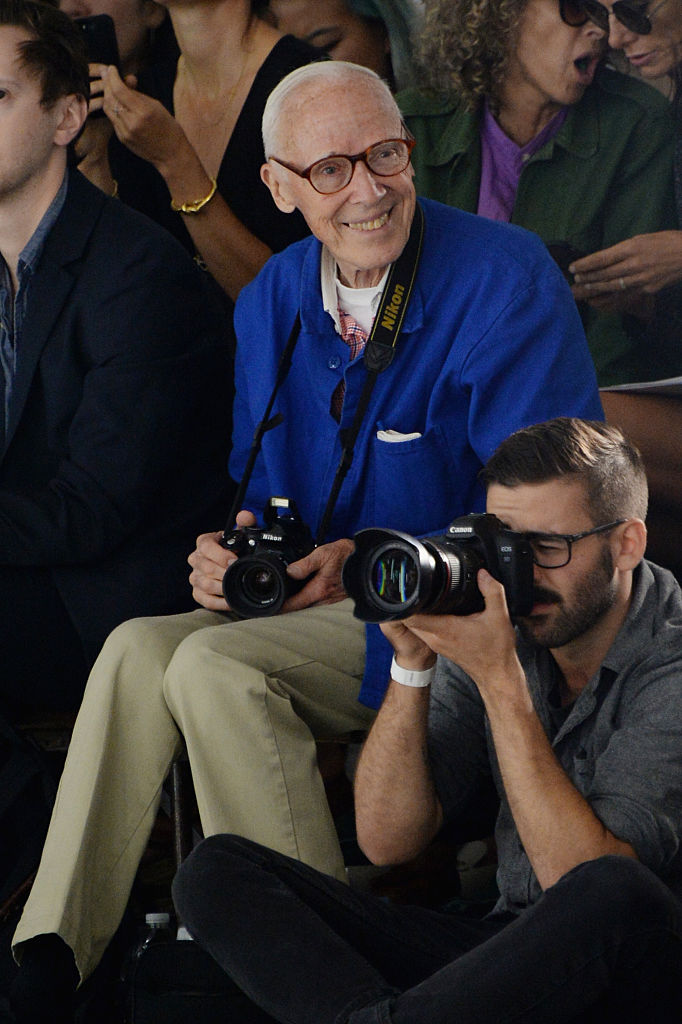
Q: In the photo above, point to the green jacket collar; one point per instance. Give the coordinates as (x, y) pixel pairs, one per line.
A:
(579, 134)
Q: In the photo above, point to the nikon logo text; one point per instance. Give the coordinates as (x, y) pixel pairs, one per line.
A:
(393, 308)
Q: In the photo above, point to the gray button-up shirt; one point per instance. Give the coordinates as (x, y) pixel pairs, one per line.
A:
(620, 743)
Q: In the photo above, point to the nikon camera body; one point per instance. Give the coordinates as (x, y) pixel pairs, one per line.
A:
(257, 584)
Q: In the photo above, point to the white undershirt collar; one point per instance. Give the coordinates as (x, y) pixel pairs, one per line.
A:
(360, 303)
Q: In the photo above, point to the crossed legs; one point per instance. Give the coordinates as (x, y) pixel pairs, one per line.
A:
(601, 945)
(249, 698)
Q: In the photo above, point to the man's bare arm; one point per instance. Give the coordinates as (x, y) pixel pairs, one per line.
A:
(556, 825)
(397, 810)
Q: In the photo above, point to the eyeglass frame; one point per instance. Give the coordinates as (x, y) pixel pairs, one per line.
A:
(354, 159)
(604, 24)
(570, 539)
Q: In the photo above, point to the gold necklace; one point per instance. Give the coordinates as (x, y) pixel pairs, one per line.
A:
(226, 101)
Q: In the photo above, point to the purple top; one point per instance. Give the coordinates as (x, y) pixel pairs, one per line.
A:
(502, 162)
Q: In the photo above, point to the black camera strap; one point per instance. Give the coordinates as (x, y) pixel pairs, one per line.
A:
(267, 423)
(379, 350)
(378, 356)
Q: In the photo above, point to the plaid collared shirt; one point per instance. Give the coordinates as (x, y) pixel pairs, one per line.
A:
(355, 337)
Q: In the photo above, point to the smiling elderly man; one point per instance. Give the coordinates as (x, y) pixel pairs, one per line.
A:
(490, 341)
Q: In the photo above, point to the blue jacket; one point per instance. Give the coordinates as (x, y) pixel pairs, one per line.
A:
(491, 342)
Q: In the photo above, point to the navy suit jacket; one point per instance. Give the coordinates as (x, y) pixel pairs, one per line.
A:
(116, 450)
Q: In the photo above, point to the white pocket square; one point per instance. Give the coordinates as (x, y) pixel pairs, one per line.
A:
(394, 436)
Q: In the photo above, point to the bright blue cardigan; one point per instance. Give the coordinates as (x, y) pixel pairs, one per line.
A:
(491, 342)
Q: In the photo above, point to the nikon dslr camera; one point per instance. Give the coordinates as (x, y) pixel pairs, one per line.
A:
(257, 583)
(391, 575)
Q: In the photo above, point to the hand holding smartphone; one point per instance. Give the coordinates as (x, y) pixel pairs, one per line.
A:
(564, 255)
(99, 34)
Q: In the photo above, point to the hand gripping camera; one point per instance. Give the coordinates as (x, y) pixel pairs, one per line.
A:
(391, 575)
(257, 583)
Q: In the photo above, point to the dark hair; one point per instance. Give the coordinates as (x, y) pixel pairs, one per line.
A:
(55, 53)
(596, 454)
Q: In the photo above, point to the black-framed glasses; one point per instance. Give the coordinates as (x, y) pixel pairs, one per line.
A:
(332, 173)
(634, 16)
(554, 550)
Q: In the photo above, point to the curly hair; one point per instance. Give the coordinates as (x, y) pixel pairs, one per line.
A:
(465, 45)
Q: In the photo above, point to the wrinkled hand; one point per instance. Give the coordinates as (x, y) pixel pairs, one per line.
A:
(638, 266)
(324, 564)
(482, 644)
(209, 562)
(141, 123)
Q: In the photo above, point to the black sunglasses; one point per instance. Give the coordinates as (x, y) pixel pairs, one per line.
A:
(633, 16)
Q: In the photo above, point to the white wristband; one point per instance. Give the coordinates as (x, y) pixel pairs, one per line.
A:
(408, 677)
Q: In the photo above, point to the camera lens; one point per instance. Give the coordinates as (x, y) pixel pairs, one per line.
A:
(395, 576)
(392, 575)
(423, 577)
(256, 585)
(260, 584)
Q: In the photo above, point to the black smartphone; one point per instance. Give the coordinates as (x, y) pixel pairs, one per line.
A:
(100, 38)
(100, 42)
(563, 254)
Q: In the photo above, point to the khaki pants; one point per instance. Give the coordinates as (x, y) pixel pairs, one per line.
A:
(249, 698)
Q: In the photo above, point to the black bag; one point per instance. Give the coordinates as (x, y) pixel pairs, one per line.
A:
(178, 983)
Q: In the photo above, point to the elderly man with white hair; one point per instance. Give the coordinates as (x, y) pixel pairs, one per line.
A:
(488, 340)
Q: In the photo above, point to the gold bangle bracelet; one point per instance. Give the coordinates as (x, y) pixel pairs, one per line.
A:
(198, 204)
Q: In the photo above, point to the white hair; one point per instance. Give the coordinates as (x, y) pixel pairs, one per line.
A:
(328, 72)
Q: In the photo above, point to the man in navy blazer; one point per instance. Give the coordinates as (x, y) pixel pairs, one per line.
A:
(115, 394)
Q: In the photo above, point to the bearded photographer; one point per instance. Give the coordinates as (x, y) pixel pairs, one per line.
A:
(578, 718)
(490, 341)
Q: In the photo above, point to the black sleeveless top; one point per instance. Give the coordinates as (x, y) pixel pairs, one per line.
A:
(141, 186)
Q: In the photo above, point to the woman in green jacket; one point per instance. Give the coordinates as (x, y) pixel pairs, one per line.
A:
(650, 37)
(523, 123)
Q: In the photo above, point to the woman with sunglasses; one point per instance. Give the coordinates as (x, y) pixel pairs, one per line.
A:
(527, 126)
(650, 37)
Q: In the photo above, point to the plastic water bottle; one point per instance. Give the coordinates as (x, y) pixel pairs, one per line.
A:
(156, 929)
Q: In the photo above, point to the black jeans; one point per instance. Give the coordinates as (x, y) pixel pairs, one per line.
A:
(603, 944)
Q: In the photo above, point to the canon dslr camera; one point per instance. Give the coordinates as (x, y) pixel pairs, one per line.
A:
(257, 583)
(391, 575)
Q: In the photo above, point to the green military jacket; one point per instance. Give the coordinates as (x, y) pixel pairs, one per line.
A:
(605, 176)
